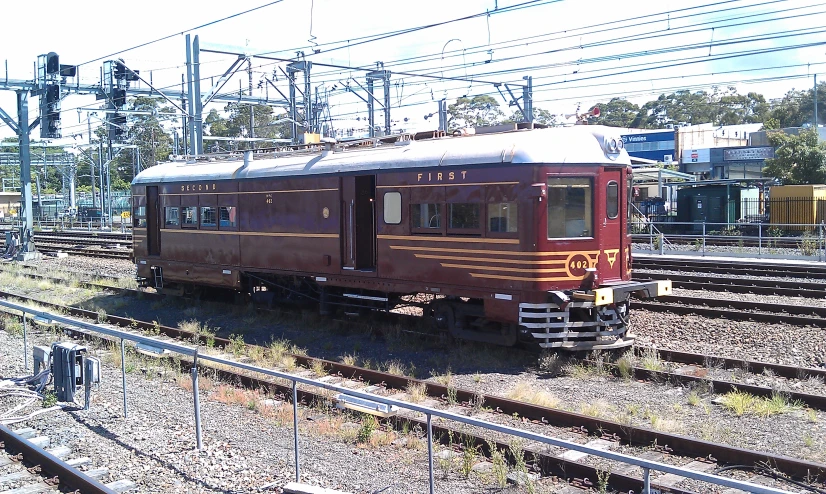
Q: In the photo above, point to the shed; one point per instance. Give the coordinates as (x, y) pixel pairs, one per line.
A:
(797, 204)
(709, 204)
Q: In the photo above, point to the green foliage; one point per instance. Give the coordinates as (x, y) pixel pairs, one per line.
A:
(799, 159)
(49, 399)
(235, 122)
(478, 111)
(368, 426)
(618, 112)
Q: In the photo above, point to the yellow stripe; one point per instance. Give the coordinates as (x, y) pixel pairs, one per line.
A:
(502, 268)
(503, 252)
(255, 234)
(489, 260)
(452, 184)
(451, 239)
(247, 192)
(519, 278)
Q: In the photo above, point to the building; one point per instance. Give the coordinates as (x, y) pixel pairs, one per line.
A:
(654, 145)
(724, 163)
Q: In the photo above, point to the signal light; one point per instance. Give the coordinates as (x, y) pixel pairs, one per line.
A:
(52, 63)
(119, 97)
(68, 70)
(50, 112)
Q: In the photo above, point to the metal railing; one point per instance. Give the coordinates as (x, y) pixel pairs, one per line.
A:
(752, 239)
(646, 465)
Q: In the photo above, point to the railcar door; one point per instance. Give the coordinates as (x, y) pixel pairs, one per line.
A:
(153, 225)
(613, 225)
(358, 232)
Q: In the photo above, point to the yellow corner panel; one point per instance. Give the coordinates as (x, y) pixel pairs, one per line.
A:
(604, 296)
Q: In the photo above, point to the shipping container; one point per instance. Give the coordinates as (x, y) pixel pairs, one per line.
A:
(797, 204)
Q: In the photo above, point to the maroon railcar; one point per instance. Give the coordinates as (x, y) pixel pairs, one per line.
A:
(500, 237)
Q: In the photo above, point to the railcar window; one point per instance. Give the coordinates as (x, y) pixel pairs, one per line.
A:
(570, 207)
(208, 216)
(392, 208)
(612, 199)
(630, 192)
(139, 217)
(502, 217)
(172, 218)
(464, 216)
(189, 216)
(228, 214)
(426, 216)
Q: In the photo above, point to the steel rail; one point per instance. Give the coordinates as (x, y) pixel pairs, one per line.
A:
(620, 479)
(742, 268)
(638, 436)
(739, 285)
(68, 476)
(753, 366)
(737, 310)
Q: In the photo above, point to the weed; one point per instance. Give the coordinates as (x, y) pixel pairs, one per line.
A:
(102, 317)
(237, 345)
(808, 440)
(444, 379)
(694, 398)
(477, 378)
(12, 324)
(551, 362)
(500, 466)
(477, 402)
(349, 359)
(395, 367)
(523, 391)
(625, 366)
(811, 415)
(591, 409)
(651, 360)
(417, 391)
(469, 453)
(451, 395)
(741, 403)
(808, 245)
(517, 450)
(317, 366)
(368, 426)
(49, 399)
(603, 473)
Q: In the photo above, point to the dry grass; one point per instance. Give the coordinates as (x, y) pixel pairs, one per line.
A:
(317, 366)
(395, 367)
(417, 392)
(524, 391)
(741, 403)
(348, 359)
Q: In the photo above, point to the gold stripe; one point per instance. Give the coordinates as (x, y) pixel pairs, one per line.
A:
(451, 239)
(255, 234)
(519, 278)
(246, 192)
(141, 229)
(502, 268)
(489, 260)
(443, 184)
(505, 252)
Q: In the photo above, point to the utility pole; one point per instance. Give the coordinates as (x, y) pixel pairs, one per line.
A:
(91, 163)
(252, 106)
(818, 133)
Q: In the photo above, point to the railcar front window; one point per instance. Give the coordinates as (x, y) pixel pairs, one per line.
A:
(464, 216)
(208, 216)
(189, 216)
(228, 214)
(502, 217)
(172, 218)
(426, 216)
(612, 199)
(570, 207)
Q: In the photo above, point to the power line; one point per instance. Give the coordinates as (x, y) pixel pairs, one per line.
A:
(183, 32)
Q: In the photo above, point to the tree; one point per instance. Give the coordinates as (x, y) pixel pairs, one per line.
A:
(479, 111)
(799, 159)
(540, 116)
(267, 123)
(618, 112)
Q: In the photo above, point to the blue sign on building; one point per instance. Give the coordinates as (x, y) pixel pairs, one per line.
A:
(657, 146)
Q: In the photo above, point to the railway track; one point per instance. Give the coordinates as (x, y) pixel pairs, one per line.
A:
(735, 268)
(737, 310)
(28, 465)
(738, 285)
(614, 434)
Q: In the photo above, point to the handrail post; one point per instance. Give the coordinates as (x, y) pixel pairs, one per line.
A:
(759, 239)
(123, 372)
(295, 431)
(650, 235)
(25, 343)
(430, 453)
(662, 243)
(704, 238)
(646, 481)
(196, 397)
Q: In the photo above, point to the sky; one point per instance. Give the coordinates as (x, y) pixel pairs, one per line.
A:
(578, 53)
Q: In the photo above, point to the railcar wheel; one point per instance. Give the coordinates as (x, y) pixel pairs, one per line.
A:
(443, 317)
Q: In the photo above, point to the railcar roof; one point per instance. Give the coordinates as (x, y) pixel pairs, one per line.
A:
(571, 145)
